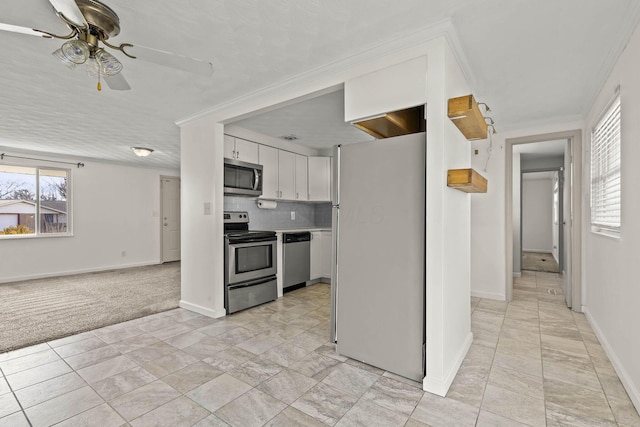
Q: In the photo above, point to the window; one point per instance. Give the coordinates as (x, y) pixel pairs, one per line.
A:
(605, 171)
(34, 201)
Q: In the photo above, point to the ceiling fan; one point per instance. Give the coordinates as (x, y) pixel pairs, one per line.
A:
(92, 23)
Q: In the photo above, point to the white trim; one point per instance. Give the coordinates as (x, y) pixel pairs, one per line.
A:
(624, 376)
(489, 295)
(441, 386)
(79, 271)
(517, 274)
(541, 251)
(202, 310)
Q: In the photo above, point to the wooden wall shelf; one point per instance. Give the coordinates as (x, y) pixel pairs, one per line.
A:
(465, 114)
(467, 180)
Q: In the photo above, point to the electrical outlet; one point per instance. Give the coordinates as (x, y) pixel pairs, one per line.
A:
(293, 215)
(475, 151)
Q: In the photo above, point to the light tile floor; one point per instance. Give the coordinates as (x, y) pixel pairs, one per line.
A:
(533, 363)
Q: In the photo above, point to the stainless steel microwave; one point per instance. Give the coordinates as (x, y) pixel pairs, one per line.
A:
(242, 178)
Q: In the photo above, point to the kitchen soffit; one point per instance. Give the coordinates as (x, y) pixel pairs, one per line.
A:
(532, 61)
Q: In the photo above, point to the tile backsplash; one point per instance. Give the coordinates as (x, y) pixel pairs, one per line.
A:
(307, 214)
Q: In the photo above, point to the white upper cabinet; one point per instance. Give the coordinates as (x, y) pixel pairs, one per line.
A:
(319, 179)
(268, 158)
(240, 149)
(302, 192)
(229, 147)
(287, 175)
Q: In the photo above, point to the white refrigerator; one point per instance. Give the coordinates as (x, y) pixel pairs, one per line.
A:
(378, 279)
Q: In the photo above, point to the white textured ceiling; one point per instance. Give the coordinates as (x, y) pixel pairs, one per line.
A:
(317, 122)
(531, 61)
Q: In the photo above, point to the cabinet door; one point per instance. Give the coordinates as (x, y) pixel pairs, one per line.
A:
(302, 192)
(286, 175)
(246, 151)
(316, 255)
(268, 158)
(325, 269)
(320, 179)
(229, 147)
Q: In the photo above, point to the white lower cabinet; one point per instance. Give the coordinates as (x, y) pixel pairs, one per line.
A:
(320, 254)
(316, 255)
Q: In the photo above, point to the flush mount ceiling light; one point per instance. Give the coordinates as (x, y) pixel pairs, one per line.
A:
(92, 23)
(141, 151)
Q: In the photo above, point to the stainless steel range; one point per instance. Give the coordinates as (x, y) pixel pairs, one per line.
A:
(250, 264)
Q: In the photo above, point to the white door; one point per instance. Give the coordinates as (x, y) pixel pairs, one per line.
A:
(287, 175)
(246, 151)
(170, 188)
(229, 147)
(302, 192)
(268, 158)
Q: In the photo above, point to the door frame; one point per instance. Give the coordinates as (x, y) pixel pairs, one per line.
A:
(573, 178)
(161, 222)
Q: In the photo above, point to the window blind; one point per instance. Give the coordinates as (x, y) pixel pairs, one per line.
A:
(605, 170)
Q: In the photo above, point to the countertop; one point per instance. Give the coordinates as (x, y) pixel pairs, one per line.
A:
(294, 230)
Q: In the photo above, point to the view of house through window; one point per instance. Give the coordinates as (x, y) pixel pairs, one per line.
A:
(33, 200)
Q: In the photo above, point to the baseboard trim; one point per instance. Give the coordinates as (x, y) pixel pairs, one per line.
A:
(440, 386)
(202, 310)
(488, 295)
(319, 280)
(517, 274)
(79, 271)
(624, 376)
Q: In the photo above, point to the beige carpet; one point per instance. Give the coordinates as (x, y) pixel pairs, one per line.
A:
(539, 261)
(36, 311)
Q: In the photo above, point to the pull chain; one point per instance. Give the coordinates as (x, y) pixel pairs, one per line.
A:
(99, 84)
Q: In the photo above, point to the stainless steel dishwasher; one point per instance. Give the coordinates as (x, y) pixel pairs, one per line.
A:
(296, 260)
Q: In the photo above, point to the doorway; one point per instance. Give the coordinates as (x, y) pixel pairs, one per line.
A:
(541, 231)
(170, 215)
(570, 235)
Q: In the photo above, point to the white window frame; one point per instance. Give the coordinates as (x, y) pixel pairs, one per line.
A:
(37, 232)
(606, 159)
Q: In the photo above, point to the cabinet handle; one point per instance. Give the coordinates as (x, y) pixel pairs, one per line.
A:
(296, 196)
(238, 155)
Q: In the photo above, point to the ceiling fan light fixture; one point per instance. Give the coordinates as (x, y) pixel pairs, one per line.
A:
(109, 65)
(142, 151)
(60, 56)
(76, 51)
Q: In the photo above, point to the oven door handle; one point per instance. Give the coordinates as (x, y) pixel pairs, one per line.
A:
(252, 283)
(240, 242)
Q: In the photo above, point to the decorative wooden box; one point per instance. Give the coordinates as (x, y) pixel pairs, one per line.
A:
(467, 180)
(465, 114)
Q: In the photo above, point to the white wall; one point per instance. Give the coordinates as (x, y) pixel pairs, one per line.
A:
(537, 211)
(115, 208)
(611, 291)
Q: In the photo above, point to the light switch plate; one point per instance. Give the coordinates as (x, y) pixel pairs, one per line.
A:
(293, 215)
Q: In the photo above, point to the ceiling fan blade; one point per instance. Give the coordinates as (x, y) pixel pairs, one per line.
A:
(70, 10)
(117, 82)
(21, 30)
(170, 59)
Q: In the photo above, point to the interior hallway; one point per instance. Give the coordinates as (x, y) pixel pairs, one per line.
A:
(533, 363)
